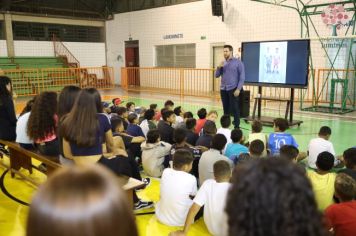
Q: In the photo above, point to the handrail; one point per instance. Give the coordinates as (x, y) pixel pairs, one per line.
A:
(202, 83)
(60, 50)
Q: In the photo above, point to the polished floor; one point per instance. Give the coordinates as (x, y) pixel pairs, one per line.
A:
(15, 194)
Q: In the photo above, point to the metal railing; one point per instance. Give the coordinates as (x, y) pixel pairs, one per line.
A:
(61, 51)
(202, 83)
(34, 81)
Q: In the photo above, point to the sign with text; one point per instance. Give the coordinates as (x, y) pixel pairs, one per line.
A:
(173, 36)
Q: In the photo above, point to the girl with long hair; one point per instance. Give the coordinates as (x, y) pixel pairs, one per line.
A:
(21, 127)
(84, 131)
(43, 122)
(7, 110)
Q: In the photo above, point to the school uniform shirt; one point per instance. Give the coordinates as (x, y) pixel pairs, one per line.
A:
(124, 122)
(192, 137)
(212, 195)
(196, 155)
(153, 157)
(317, 146)
(342, 218)
(21, 129)
(226, 132)
(97, 148)
(204, 140)
(7, 119)
(278, 139)
(207, 162)
(165, 131)
(174, 204)
(233, 150)
(135, 130)
(323, 187)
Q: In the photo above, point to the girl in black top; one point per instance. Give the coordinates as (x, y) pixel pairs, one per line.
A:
(7, 110)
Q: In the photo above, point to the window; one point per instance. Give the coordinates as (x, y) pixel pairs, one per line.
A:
(180, 56)
(66, 33)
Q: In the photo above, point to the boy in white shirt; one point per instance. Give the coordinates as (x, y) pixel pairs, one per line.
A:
(225, 122)
(212, 195)
(319, 145)
(178, 188)
(179, 116)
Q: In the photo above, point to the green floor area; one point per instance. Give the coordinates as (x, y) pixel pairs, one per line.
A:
(343, 131)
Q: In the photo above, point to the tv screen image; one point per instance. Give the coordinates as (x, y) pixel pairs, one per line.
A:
(276, 63)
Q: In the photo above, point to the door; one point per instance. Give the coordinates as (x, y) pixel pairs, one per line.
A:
(132, 59)
(218, 57)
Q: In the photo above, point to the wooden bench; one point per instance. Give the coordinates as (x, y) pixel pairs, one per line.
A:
(22, 158)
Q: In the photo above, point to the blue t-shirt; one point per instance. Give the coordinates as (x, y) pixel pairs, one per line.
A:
(233, 150)
(97, 149)
(134, 130)
(277, 140)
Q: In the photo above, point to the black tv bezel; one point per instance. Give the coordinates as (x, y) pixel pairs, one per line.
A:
(279, 85)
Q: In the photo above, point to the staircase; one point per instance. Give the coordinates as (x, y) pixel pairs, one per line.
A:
(78, 75)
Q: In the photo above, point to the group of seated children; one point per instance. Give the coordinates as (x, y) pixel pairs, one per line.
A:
(193, 158)
(186, 154)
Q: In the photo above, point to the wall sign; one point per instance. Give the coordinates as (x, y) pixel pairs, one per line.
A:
(173, 36)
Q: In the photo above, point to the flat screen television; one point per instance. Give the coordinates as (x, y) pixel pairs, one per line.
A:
(281, 63)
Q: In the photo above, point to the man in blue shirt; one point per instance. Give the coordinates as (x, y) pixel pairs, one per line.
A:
(232, 72)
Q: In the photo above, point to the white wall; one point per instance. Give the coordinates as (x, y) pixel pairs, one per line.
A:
(88, 54)
(3, 48)
(244, 21)
(33, 49)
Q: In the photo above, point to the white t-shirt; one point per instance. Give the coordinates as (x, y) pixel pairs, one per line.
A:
(179, 120)
(317, 146)
(174, 203)
(144, 127)
(21, 129)
(259, 136)
(212, 196)
(226, 132)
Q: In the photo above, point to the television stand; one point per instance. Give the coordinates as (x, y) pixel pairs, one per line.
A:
(265, 120)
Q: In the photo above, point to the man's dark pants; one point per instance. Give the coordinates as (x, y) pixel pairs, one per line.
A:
(231, 105)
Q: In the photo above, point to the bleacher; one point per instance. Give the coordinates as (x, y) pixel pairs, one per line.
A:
(30, 73)
(31, 62)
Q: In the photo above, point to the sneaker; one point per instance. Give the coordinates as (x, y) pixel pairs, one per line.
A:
(142, 205)
(146, 181)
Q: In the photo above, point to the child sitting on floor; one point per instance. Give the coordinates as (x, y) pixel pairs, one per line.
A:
(177, 189)
(279, 138)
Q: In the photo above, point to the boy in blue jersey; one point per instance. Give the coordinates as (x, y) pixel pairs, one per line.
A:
(279, 138)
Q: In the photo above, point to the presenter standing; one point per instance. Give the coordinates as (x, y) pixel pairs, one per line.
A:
(232, 72)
